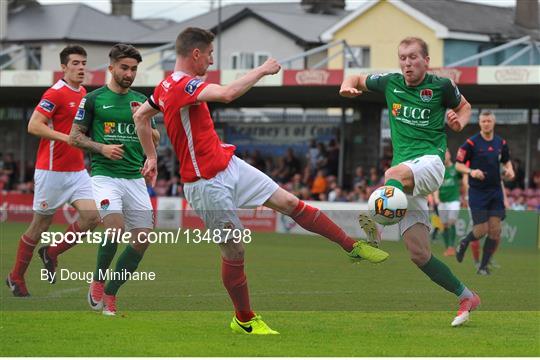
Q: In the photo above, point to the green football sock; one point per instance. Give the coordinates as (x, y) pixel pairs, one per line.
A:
(446, 237)
(441, 274)
(127, 263)
(395, 183)
(452, 238)
(105, 257)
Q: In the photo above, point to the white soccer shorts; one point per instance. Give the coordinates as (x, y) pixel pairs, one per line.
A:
(449, 211)
(428, 172)
(239, 186)
(124, 196)
(53, 189)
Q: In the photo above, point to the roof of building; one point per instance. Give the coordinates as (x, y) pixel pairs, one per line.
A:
(496, 21)
(290, 18)
(71, 22)
(452, 19)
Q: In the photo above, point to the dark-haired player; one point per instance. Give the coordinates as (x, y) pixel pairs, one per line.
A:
(60, 175)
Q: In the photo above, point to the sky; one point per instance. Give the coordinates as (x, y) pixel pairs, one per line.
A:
(180, 10)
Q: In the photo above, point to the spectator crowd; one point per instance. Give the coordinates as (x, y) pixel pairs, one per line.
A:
(312, 176)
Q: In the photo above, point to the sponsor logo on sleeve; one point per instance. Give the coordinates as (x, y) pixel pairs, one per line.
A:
(47, 105)
(192, 86)
(80, 114)
(458, 94)
(81, 104)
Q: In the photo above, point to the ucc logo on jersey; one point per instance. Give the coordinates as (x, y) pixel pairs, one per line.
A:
(409, 112)
(109, 127)
(426, 95)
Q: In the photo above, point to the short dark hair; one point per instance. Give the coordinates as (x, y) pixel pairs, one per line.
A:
(413, 39)
(193, 38)
(71, 49)
(487, 113)
(122, 51)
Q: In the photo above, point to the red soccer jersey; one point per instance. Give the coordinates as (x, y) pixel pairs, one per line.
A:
(190, 127)
(59, 104)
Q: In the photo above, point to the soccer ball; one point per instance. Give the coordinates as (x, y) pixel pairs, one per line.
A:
(387, 205)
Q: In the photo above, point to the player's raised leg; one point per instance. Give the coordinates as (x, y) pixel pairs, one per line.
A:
(399, 176)
(316, 221)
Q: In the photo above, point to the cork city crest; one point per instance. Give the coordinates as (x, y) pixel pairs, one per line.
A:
(426, 95)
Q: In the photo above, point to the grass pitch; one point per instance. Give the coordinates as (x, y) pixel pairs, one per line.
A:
(303, 286)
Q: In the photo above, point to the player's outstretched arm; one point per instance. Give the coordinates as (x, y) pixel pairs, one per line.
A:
(459, 117)
(78, 138)
(38, 126)
(142, 119)
(228, 93)
(353, 86)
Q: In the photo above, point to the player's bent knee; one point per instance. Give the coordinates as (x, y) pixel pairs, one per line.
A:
(89, 221)
(232, 250)
(480, 230)
(494, 234)
(391, 173)
(420, 258)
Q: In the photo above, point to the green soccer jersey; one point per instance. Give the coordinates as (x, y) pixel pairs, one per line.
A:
(449, 190)
(417, 113)
(109, 119)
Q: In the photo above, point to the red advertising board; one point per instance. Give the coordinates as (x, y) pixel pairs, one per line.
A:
(460, 75)
(312, 77)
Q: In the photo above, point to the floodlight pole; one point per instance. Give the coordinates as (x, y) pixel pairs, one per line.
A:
(341, 158)
(528, 147)
(219, 36)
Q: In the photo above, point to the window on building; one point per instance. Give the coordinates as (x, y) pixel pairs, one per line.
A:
(361, 54)
(246, 60)
(168, 58)
(33, 57)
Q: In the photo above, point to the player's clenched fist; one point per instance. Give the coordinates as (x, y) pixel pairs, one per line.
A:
(271, 66)
(149, 171)
(453, 121)
(113, 151)
(349, 92)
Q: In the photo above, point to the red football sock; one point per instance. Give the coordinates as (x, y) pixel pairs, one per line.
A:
(24, 255)
(54, 251)
(475, 247)
(235, 281)
(314, 220)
